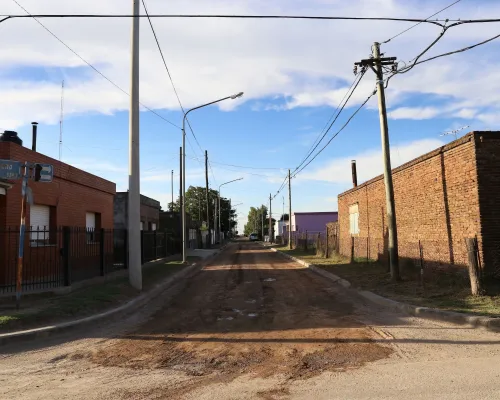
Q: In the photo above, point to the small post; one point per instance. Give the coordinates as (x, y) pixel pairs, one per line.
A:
(318, 243)
(421, 252)
(101, 251)
(354, 174)
(352, 249)
(65, 255)
(22, 229)
(327, 250)
(154, 244)
(305, 243)
(474, 273)
(142, 247)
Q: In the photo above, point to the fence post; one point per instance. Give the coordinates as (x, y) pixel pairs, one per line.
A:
(326, 244)
(65, 255)
(154, 244)
(125, 248)
(101, 251)
(318, 243)
(305, 244)
(474, 274)
(142, 247)
(166, 242)
(352, 249)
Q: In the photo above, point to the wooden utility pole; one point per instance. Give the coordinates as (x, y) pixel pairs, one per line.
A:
(270, 218)
(289, 210)
(376, 63)
(209, 237)
(262, 220)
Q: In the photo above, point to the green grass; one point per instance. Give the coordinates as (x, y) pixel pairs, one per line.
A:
(42, 309)
(447, 291)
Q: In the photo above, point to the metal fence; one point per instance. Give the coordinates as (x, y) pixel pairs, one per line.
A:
(55, 257)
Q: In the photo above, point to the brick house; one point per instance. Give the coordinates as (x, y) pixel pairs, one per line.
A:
(74, 198)
(150, 212)
(441, 198)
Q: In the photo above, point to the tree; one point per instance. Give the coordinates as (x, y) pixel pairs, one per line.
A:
(196, 206)
(254, 224)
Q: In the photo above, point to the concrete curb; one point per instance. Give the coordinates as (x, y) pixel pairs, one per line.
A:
(132, 305)
(474, 321)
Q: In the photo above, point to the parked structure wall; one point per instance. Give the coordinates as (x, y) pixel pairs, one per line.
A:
(150, 211)
(437, 199)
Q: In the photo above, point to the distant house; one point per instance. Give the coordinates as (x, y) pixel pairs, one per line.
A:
(312, 221)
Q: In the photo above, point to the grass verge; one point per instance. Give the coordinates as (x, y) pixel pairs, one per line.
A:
(45, 309)
(444, 290)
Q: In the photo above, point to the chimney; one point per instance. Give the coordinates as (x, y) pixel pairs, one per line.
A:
(33, 142)
(354, 174)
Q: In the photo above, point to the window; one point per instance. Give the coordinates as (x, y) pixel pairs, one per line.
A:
(354, 219)
(142, 226)
(93, 225)
(153, 227)
(39, 225)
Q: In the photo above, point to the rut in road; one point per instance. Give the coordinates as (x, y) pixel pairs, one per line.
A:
(249, 311)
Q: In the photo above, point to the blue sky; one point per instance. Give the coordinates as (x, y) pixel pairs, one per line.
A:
(293, 74)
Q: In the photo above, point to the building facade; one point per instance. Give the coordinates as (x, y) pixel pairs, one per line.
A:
(74, 199)
(441, 198)
(313, 222)
(150, 212)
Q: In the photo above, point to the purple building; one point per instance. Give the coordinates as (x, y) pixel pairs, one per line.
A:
(313, 221)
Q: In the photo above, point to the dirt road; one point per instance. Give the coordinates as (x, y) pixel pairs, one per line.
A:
(254, 325)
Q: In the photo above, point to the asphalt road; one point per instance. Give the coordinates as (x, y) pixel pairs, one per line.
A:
(253, 325)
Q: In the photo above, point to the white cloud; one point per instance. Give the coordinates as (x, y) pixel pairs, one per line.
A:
(466, 113)
(288, 59)
(414, 113)
(490, 118)
(369, 163)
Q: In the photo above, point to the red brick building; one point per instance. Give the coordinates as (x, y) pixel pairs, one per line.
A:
(441, 198)
(74, 198)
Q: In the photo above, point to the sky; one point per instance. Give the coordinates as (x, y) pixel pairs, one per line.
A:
(294, 74)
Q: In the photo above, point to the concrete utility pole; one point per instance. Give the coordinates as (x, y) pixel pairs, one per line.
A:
(289, 210)
(181, 197)
(172, 182)
(270, 218)
(209, 237)
(376, 63)
(229, 220)
(134, 192)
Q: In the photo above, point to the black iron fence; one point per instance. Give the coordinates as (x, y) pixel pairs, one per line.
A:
(55, 257)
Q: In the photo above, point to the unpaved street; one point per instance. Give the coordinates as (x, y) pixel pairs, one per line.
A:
(253, 325)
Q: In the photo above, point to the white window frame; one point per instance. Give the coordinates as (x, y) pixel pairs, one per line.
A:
(354, 219)
(39, 225)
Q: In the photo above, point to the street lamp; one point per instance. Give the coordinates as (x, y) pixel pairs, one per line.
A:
(234, 180)
(183, 208)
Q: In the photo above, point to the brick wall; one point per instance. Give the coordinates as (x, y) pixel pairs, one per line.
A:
(73, 191)
(437, 203)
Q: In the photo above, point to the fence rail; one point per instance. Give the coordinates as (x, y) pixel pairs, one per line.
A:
(60, 256)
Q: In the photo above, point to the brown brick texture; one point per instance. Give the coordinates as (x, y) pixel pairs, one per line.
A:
(437, 203)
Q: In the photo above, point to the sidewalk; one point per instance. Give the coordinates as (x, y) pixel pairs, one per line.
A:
(44, 309)
(443, 291)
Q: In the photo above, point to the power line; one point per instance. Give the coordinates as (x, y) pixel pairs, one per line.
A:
(349, 93)
(418, 23)
(336, 134)
(234, 16)
(89, 64)
(245, 167)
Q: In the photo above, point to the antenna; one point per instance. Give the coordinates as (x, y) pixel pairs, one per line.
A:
(61, 121)
(455, 132)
